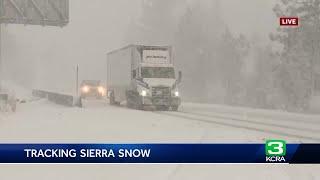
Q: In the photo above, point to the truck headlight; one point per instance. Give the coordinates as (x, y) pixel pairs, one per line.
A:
(85, 89)
(143, 93)
(176, 93)
(101, 90)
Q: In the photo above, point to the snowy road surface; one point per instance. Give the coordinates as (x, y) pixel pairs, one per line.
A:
(43, 122)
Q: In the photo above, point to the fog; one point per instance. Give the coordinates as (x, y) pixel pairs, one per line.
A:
(228, 40)
(46, 57)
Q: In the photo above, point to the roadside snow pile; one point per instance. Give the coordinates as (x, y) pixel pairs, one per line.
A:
(18, 91)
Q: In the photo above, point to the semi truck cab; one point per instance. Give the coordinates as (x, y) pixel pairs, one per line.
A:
(153, 80)
(157, 87)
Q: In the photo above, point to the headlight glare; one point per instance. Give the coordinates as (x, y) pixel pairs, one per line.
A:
(101, 90)
(143, 93)
(85, 89)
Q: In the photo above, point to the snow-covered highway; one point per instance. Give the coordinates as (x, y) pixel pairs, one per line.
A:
(41, 121)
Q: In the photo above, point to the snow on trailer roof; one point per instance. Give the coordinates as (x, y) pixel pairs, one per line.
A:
(143, 46)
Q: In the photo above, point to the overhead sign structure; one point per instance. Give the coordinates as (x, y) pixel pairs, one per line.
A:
(35, 12)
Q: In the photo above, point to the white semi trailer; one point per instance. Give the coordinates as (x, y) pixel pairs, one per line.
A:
(144, 77)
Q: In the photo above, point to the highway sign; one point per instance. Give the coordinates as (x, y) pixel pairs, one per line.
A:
(35, 12)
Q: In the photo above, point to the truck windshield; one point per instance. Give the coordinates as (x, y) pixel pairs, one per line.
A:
(157, 72)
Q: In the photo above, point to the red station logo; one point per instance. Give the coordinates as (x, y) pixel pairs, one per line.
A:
(289, 21)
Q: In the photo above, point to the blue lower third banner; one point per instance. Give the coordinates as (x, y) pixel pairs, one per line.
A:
(274, 151)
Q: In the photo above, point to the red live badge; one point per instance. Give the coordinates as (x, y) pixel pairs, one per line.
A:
(289, 21)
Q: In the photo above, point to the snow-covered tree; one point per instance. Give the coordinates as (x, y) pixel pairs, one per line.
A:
(300, 53)
(157, 23)
(209, 55)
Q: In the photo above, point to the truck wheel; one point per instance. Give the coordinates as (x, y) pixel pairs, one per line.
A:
(166, 108)
(137, 101)
(175, 108)
(129, 104)
(129, 98)
(112, 99)
(162, 108)
(138, 106)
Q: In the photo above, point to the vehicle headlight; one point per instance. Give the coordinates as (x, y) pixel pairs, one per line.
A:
(176, 93)
(85, 89)
(143, 93)
(101, 90)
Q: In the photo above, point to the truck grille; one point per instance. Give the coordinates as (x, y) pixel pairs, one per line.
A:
(162, 92)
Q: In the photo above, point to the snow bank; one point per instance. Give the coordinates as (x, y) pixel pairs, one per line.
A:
(17, 90)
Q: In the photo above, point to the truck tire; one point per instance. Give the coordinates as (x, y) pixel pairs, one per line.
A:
(112, 100)
(175, 108)
(162, 108)
(138, 105)
(149, 108)
(129, 99)
(133, 100)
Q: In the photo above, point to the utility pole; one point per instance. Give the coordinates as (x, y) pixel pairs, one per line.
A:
(77, 81)
(1, 58)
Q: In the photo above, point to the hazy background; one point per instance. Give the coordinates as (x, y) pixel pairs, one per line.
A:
(46, 57)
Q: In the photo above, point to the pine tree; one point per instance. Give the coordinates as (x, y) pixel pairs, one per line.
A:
(209, 55)
(158, 22)
(193, 42)
(300, 53)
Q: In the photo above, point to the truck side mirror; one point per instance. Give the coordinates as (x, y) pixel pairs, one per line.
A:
(179, 77)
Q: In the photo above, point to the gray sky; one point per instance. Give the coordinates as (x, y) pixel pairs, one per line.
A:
(95, 27)
(250, 17)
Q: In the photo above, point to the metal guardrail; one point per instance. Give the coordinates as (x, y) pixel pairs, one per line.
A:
(58, 98)
(39, 93)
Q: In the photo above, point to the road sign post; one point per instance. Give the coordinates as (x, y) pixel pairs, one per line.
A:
(77, 80)
(0, 57)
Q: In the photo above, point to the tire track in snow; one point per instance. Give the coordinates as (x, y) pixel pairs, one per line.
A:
(182, 115)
